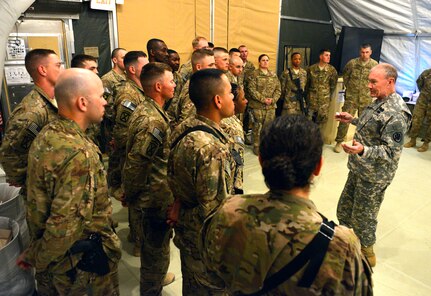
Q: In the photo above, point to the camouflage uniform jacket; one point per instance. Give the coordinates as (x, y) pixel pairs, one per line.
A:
(261, 86)
(186, 70)
(111, 81)
(238, 80)
(248, 69)
(424, 83)
(381, 129)
(320, 84)
(199, 174)
(67, 198)
(355, 78)
(27, 119)
(232, 127)
(185, 107)
(145, 171)
(251, 237)
(128, 97)
(288, 87)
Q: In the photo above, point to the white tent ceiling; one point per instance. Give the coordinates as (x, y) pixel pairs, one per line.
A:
(407, 32)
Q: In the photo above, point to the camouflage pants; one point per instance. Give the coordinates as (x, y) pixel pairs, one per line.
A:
(135, 224)
(114, 170)
(351, 108)
(85, 284)
(156, 236)
(197, 281)
(359, 206)
(318, 110)
(262, 117)
(422, 110)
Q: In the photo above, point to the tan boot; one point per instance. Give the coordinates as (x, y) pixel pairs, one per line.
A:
(424, 147)
(338, 148)
(169, 278)
(368, 252)
(411, 143)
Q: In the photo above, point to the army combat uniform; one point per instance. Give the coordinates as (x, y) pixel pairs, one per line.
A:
(111, 81)
(252, 237)
(357, 97)
(261, 86)
(238, 80)
(67, 201)
(186, 71)
(423, 107)
(232, 127)
(184, 107)
(321, 84)
(380, 129)
(172, 105)
(27, 119)
(289, 90)
(147, 190)
(199, 175)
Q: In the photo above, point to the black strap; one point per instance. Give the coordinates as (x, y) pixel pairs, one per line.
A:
(203, 128)
(314, 253)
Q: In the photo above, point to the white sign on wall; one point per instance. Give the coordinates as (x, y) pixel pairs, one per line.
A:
(103, 4)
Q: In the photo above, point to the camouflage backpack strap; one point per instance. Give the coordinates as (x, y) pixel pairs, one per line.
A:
(203, 128)
(312, 254)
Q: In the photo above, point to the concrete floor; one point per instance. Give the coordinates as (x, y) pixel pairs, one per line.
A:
(403, 246)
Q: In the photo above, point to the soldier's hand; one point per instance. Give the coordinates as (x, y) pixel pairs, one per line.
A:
(173, 213)
(22, 263)
(355, 148)
(268, 101)
(343, 117)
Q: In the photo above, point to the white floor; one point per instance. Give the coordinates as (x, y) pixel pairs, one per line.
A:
(403, 246)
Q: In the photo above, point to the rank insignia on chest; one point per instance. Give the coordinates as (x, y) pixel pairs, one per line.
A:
(397, 136)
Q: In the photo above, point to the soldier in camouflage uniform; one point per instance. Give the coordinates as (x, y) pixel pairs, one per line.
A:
(248, 66)
(199, 174)
(111, 81)
(232, 127)
(186, 69)
(128, 96)
(184, 107)
(251, 237)
(289, 89)
(248, 69)
(355, 77)
(236, 68)
(174, 63)
(221, 58)
(145, 175)
(321, 82)
(264, 89)
(68, 195)
(373, 156)
(422, 110)
(36, 110)
(157, 51)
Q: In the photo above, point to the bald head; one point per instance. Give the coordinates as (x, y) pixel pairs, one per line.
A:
(79, 95)
(236, 65)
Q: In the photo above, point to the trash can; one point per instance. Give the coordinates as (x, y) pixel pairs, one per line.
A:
(13, 280)
(12, 206)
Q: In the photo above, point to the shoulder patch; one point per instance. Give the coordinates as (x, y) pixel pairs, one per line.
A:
(34, 129)
(158, 134)
(129, 105)
(397, 137)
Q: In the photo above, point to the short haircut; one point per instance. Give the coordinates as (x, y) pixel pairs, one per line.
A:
(79, 60)
(171, 51)
(323, 50)
(294, 53)
(211, 45)
(115, 52)
(218, 50)
(151, 72)
(152, 43)
(263, 55)
(232, 50)
(195, 41)
(242, 45)
(290, 150)
(204, 86)
(390, 71)
(34, 57)
(199, 54)
(366, 45)
(132, 57)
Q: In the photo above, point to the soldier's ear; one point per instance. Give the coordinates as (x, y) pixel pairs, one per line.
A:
(318, 168)
(41, 69)
(82, 103)
(217, 101)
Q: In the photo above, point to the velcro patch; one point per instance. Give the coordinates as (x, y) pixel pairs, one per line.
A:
(398, 137)
(129, 105)
(34, 128)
